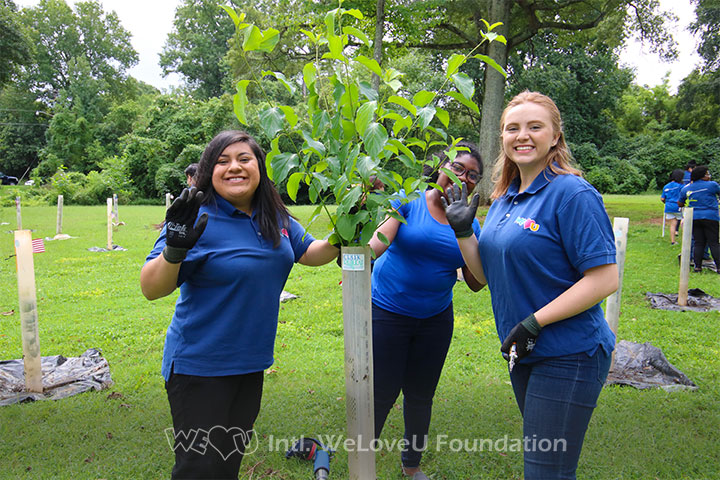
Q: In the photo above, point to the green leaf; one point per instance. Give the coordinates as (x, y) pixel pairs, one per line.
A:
(293, 185)
(365, 166)
(454, 63)
(346, 226)
(359, 34)
(270, 38)
(313, 38)
(353, 12)
(468, 103)
(401, 147)
(367, 91)
(365, 115)
(309, 74)
(451, 175)
(383, 238)
(281, 165)
(274, 150)
(423, 97)
(349, 199)
(252, 40)
(394, 84)
(464, 84)
(290, 115)
(425, 116)
(400, 121)
(443, 116)
(335, 44)
(371, 64)
(313, 145)
(374, 139)
(403, 102)
(330, 21)
(281, 78)
(492, 63)
(232, 14)
(271, 121)
(240, 100)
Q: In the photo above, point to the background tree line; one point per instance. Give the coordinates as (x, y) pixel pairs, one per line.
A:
(74, 121)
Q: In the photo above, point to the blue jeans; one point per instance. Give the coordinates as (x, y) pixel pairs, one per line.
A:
(557, 397)
(408, 355)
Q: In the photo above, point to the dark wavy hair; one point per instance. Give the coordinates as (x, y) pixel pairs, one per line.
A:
(677, 175)
(698, 173)
(266, 202)
(471, 149)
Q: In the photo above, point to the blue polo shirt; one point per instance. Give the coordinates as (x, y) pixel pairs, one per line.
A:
(671, 195)
(535, 245)
(686, 177)
(416, 274)
(226, 316)
(702, 196)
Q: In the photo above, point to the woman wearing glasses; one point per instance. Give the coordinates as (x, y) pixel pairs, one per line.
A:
(412, 311)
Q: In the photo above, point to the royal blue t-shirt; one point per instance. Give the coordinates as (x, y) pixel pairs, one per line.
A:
(226, 316)
(671, 194)
(416, 274)
(535, 245)
(686, 177)
(702, 196)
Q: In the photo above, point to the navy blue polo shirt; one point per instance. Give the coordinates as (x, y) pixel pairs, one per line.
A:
(702, 196)
(226, 316)
(416, 274)
(535, 245)
(671, 195)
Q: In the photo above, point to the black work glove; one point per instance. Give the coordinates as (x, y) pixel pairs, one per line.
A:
(459, 214)
(523, 335)
(182, 232)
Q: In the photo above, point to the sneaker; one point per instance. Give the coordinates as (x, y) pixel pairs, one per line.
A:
(697, 270)
(673, 243)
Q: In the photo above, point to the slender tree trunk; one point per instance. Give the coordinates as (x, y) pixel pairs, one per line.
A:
(494, 98)
(378, 43)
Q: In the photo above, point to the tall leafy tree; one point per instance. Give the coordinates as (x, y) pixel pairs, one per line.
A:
(63, 35)
(707, 28)
(197, 46)
(14, 44)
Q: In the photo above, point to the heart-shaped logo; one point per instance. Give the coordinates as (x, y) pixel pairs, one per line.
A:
(218, 439)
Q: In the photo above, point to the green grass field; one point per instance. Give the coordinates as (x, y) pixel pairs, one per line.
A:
(93, 300)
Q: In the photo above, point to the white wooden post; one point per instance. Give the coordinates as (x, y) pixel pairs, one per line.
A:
(58, 229)
(685, 257)
(19, 215)
(167, 201)
(663, 232)
(28, 311)
(612, 305)
(109, 224)
(357, 319)
(115, 209)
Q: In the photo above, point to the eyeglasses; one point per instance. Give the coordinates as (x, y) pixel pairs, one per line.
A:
(458, 169)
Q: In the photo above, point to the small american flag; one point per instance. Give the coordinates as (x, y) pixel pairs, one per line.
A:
(38, 246)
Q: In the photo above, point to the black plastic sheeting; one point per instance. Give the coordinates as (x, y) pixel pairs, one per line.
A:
(62, 377)
(642, 366)
(698, 301)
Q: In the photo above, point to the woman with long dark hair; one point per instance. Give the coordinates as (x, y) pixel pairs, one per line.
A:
(231, 265)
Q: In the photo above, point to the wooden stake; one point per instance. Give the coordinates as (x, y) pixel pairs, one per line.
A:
(685, 257)
(19, 215)
(663, 232)
(357, 319)
(167, 201)
(115, 209)
(28, 311)
(612, 306)
(109, 224)
(58, 229)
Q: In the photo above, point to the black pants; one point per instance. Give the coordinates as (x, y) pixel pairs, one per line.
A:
(705, 233)
(213, 419)
(408, 355)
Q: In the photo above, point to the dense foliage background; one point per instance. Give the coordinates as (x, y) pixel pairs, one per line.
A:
(73, 120)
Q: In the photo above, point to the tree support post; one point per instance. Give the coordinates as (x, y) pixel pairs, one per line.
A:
(685, 257)
(28, 311)
(58, 228)
(109, 223)
(612, 306)
(19, 215)
(357, 320)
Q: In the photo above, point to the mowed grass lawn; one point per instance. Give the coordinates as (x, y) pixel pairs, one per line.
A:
(93, 300)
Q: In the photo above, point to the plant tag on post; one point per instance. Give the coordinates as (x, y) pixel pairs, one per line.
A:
(353, 262)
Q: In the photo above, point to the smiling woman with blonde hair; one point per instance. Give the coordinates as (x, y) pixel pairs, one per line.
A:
(547, 254)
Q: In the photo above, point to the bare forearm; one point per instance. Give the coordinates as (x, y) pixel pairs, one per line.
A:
(158, 278)
(471, 255)
(596, 284)
(319, 253)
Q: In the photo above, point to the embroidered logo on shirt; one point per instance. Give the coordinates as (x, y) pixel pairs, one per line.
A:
(284, 233)
(527, 223)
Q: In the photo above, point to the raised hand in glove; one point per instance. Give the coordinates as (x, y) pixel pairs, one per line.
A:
(523, 335)
(459, 213)
(182, 231)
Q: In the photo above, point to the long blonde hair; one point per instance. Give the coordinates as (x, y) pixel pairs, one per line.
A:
(558, 158)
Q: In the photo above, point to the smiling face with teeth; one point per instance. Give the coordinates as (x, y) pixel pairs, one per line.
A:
(527, 137)
(236, 176)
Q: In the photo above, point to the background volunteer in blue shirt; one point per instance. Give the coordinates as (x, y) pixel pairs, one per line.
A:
(702, 195)
(231, 266)
(412, 310)
(547, 253)
(670, 196)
